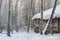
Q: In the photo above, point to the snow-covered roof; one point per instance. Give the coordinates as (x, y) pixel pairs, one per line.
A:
(47, 13)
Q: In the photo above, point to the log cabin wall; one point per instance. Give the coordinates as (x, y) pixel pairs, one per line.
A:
(37, 23)
(59, 25)
(54, 26)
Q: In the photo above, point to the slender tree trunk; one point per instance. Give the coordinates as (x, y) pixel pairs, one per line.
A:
(41, 16)
(20, 13)
(32, 13)
(9, 13)
(0, 16)
(27, 19)
(50, 20)
(12, 17)
(16, 11)
(28, 24)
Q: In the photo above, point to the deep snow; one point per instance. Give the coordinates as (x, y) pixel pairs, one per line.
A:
(29, 36)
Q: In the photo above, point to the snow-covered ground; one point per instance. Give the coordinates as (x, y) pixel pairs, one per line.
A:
(29, 36)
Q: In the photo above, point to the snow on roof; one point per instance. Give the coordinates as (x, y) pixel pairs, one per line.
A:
(47, 13)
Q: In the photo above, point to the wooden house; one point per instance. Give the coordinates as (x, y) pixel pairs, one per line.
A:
(54, 27)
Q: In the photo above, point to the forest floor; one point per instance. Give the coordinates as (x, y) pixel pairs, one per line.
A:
(29, 36)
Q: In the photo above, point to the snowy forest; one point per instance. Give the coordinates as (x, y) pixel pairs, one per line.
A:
(16, 15)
